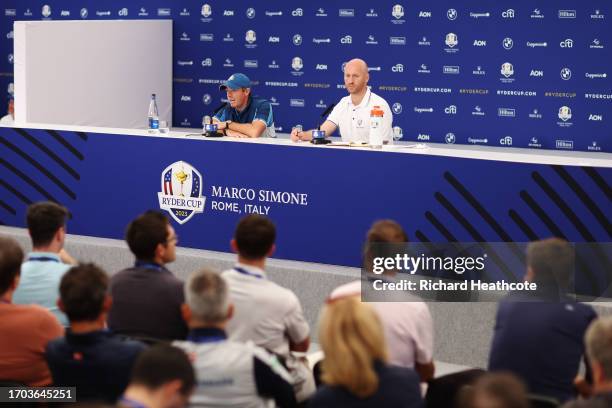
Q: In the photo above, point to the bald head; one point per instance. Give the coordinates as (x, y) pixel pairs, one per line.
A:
(356, 76)
(357, 64)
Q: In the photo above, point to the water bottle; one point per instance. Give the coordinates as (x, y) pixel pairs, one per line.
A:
(153, 115)
(376, 123)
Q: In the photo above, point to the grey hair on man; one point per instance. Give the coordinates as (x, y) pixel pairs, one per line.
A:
(598, 339)
(206, 295)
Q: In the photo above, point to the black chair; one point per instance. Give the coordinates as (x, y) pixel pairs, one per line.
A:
(542, 401)
(442, 392)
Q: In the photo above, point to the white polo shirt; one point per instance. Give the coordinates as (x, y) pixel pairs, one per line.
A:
(265, 313)
(354, 120)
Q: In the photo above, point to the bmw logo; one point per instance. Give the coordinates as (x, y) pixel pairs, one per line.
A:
(508, 43)
(250, 13)
(207, 99)
(450, 138)
(566, 74)
(84, 13)
(451, 14)
(297, 39)
(397, 108)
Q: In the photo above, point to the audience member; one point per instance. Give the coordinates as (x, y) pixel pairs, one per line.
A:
(48, 261)
(162, 377)
(229, 373)
(267, 314)
(496, 390)
(24, 330)
(407, 325)
(355, 368)
(90, 357)
(539, 336)
(147, 297)
(598, 341)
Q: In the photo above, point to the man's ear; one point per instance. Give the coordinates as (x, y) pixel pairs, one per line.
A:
(271, 250)
(108, 302)
(234, 245)
(170, 389)
(60, 304)
(186, 312)
(530, 275)
(230, 311)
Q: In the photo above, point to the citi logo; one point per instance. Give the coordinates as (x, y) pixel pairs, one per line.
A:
(480, 43)
(506, 141)
(185, 98)
(424, 14)
(567, 13)
(536, 73)
(228, 13)
(122, 13)
(451, 110)
(274, 39)
(567, 43)
(347, 39)
(596, 118)
(397, 68)
(508, 13)
(321, 67)
(207, 62)
(298, 12)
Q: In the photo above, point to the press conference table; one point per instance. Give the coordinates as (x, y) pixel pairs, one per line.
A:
(439, 193)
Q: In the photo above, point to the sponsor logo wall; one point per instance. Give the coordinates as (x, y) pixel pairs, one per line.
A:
(497, 74)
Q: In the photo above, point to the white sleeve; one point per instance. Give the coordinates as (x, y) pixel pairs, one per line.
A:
(334, 116)
(387, 122)
(295, 322)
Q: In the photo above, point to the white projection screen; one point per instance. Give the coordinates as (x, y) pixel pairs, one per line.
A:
(92, 73)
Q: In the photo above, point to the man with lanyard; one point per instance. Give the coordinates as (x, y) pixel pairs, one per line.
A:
(229, 373)
(246, 115)
(147, 297)
(266, 313)
(352, 113)
(48, 261)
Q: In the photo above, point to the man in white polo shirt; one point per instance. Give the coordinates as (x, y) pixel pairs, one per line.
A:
(352, 113)
(267, 314)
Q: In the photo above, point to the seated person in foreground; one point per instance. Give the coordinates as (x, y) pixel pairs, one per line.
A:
(229, 373)
(24, 330)
(408, 325)
(352, 113)
(539, 335)
(90, 357)
(246, 115)
(162, 377)
(355, 368)
(147, 297)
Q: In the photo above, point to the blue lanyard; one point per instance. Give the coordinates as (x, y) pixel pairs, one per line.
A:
(131, 403)
(148, 265)
(43, 259)
(245, 272)
(206, 339)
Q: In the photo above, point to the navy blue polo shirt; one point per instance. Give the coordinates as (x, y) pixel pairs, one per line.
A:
(541, 342)
(99, 363)
(256, 109)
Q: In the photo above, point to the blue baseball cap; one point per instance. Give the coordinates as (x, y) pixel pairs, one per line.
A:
(236, 81)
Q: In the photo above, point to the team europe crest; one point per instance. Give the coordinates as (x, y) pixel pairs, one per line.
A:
(181, 191)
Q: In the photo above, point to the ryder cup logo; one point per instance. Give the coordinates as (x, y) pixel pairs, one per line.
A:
(297, 64)
(398, 11)
(507, 69)
(46, 11)
(565, 113)
(451, 40)
(206, 10)
(181, 194)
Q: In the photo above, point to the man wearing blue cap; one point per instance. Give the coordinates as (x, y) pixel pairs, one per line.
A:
(244, 115)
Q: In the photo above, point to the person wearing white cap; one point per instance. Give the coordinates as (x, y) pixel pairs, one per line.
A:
(244, 115)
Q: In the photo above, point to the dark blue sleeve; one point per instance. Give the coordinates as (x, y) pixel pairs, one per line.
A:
(222, 115)
(264, 113)
(271, 385)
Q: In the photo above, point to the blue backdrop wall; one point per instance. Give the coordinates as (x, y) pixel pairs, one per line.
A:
(506, 73)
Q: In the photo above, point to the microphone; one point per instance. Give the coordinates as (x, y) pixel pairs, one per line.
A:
(209, 129)
(318, 135)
